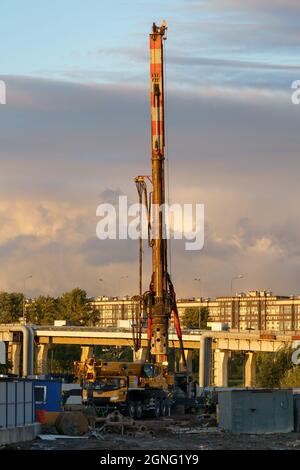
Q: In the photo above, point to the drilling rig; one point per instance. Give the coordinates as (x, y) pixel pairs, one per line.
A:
(160, 301)
(149, 386)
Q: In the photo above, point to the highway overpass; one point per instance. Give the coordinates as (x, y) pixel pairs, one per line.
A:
(31, 343)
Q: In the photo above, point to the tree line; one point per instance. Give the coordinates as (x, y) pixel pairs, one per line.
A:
(273, 369)
(73, 305)
(277, 369)
(195, 318)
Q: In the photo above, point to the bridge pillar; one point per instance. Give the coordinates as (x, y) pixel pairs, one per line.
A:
(250, 369)
(86, 353)
(221, 368)
(140, 355)
(15, 357)
(205, 361)
(3, 352)
(42, 358)
(189, 360)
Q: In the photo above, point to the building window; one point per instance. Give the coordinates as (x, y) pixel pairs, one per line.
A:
(40, 394)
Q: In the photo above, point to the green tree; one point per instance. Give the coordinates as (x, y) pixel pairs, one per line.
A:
(194, 318)
(272, 367)
(61, 358)
(114, 353)
(74, 306)
(291, 378)
(6, 368)
(236, 366)
(11, 307)
(42, 310)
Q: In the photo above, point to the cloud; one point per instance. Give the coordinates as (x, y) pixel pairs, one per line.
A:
(250, 43)
(238, 43)
(68, 147)
(228, 63)
(259, 4)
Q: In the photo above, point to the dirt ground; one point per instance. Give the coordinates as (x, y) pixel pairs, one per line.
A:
(175, 433)
(193, 442)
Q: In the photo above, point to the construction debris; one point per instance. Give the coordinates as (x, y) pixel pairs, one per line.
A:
(207, 420)
(190, 430)
(116, 423)
(53, 437)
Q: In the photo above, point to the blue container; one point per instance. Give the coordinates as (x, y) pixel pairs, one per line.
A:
(47, 395)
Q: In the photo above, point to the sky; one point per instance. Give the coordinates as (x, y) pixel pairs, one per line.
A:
(75, 131)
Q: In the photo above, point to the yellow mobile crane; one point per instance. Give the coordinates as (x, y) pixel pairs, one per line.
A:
(132, 387)
(150, 386)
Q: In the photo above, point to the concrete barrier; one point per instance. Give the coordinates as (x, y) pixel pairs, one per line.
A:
(17, 411)
(19, 433)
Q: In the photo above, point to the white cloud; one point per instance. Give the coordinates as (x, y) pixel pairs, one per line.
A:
(236, 153)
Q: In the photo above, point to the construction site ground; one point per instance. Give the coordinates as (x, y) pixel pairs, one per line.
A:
(174, 433)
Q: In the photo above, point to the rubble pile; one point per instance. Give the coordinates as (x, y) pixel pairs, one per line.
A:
(115, 422)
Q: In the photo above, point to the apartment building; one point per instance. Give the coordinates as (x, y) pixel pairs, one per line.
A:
(112, 309)
(258, 310)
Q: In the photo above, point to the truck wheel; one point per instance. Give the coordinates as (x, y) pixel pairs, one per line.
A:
(157, 409)
(138, 410)
(131, 409)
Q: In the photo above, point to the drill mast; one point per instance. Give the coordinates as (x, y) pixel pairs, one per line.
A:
(160, 300)
(160, 309)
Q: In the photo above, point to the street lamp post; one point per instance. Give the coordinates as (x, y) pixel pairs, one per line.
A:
(119, 293)
(198, 279)
(120, 279)
(102, 280)
(24, 299)
(240, 276)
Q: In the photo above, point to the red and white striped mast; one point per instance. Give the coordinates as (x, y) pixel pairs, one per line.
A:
(160, 308)
(161, 298)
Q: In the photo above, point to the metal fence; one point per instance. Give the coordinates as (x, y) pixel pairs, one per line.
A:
(16, 403)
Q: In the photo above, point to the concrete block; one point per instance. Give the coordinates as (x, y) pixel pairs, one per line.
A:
(17, 434)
